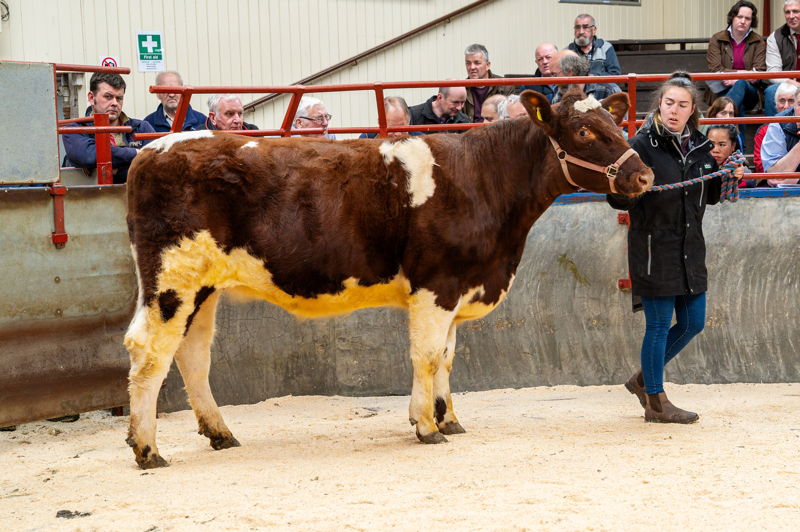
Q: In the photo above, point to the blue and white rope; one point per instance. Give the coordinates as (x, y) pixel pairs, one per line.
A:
(730, 183)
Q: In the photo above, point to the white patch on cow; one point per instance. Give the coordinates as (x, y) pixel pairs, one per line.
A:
(165, 143)
(587, 104)
(137, 330)
(418, 162)
(251, 144)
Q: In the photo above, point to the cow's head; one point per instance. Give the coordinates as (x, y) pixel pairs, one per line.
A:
(587, 131)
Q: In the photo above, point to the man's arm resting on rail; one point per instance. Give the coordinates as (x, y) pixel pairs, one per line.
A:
(775, 157)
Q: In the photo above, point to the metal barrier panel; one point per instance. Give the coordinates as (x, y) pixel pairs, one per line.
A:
(28, 141)
(63, 311)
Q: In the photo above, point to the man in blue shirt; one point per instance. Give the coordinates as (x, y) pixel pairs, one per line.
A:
(161, 119)
(780, 150)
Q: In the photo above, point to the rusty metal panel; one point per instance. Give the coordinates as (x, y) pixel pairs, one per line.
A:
(63, 311)
(28, 142)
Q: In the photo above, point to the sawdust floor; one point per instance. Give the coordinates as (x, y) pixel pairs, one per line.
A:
(549, 458)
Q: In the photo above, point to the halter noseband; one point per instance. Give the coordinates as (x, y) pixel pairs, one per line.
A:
(610, 171)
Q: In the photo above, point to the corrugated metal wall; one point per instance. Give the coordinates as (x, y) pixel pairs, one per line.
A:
(277, 42)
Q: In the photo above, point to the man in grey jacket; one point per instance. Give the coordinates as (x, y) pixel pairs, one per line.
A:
(601, 55)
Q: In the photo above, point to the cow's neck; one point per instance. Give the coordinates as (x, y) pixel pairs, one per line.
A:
(519, 163)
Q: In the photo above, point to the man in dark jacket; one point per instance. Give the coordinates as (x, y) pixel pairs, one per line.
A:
(161, 119)
(444, 108)
(476, 59)
(543, 56)
(106, 94)
(782, 52)
(226, 113)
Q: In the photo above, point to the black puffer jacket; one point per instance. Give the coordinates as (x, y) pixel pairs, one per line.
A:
(666, 248)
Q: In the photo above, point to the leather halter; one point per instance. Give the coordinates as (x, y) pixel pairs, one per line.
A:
(610, 171)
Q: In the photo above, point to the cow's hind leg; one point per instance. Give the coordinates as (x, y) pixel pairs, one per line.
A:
(194, 361)
(152, 339)
(445, 417)
(428, 331)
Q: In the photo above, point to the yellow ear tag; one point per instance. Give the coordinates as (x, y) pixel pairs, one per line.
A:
(610, 109)
(539, 115)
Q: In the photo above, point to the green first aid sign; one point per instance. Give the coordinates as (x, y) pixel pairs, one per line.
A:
(150, 47)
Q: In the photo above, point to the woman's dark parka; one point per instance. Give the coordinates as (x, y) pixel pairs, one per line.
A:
(666, 248)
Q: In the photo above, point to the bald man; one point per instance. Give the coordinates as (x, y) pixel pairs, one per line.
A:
(543, 56)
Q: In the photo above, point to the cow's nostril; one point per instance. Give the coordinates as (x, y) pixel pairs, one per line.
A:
(646, 180)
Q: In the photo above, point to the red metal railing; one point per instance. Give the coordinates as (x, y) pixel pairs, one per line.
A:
(379, 89)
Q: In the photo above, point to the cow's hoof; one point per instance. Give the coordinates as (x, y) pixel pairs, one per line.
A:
(222, 442)
(151, 462)
(453, 427)
(433, 437)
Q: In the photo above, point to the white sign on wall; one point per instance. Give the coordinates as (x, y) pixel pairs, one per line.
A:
(109, 61)
(149, 45)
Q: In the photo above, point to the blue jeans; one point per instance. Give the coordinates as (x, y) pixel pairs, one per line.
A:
(769, 100)
(744, 94)
(661, 342)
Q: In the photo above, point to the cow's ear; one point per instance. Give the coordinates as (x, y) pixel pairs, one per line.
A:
(539, 109)
(618, 105)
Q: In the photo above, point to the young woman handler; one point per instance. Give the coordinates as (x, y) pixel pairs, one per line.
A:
(666, 249)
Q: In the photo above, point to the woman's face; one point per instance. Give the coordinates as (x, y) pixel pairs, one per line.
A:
(726, 112)
(743, 20)
(676, 107)
(721, 141)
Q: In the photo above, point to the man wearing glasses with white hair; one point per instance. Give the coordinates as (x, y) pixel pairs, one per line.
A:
(601, 55)
(312, 113)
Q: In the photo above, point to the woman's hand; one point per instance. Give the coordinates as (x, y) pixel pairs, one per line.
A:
(738, 172)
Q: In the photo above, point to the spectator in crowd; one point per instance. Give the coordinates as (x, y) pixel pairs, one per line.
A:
(780, 150)
(543, 56)
(667, 256)
(490, 109)
(161, 119)
(312, 113)
(476, 59)
(737, 49)
(513, 108)
(722, 107)
(397, 114)
(569, 64)
(785, 98)
(226, 113)
(444, 108)
(725, 140)
(782, 46)
(601, 55)
(106, 95)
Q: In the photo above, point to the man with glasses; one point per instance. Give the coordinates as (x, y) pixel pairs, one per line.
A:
(226, 113)
(601, 55)
(311, 114)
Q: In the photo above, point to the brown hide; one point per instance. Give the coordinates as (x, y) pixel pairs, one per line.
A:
(317, 212)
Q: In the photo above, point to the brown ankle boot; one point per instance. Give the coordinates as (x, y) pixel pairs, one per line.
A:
(635, 385)
(659, 410)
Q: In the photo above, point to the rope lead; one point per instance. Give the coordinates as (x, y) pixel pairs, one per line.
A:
(730, 184)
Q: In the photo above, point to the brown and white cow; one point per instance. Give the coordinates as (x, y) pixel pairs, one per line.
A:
(434, 224)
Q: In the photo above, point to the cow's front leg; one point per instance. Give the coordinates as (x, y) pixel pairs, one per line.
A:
(443, 406)
(428, 330)
(151, 342)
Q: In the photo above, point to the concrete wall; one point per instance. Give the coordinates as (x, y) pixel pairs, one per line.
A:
(564, 322)
(277, 42)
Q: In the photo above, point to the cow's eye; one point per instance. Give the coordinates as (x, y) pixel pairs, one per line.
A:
(583, 132)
